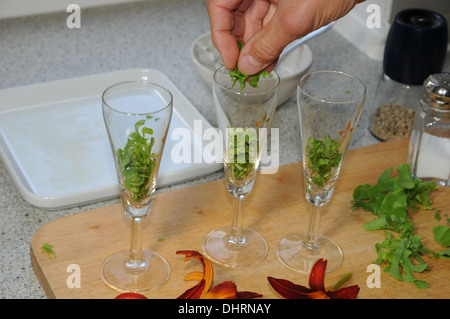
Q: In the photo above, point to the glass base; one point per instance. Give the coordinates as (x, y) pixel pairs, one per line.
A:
(251, 250)
(148, 274)
(295, 252)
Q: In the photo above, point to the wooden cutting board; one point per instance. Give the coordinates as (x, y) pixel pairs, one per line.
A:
(276, 208)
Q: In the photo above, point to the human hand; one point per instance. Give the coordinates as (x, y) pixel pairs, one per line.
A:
(266, 27)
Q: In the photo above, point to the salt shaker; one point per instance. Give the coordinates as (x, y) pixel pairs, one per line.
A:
(429, 148)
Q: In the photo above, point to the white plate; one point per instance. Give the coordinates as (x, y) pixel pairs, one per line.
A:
(54, 144)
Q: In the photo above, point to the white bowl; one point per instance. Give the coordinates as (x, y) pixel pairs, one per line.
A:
(206, 60)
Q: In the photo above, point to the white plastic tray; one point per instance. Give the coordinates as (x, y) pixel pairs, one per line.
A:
(54, 144)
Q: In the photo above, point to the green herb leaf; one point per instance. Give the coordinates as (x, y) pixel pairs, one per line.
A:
(323, 156)
(442, 235)
(242, 151)
(253, 80)
(137, 162)
(48, 249)
(390, 200)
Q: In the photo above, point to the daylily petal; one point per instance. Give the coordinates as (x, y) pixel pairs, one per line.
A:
(228, 290)
(194, 292)
(195, 275)
(288, 289)
(317, 275)
(344, 293)
(130, 295)
(247, 295)
(208, 272)
(224, 290)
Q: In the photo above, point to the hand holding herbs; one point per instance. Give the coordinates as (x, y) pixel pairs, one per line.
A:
(137, 162)
(390, 200)
(238, 76)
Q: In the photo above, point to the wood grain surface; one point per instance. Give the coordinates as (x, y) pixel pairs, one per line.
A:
(277, 207)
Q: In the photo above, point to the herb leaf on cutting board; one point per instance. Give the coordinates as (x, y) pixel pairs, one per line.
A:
(390, 200)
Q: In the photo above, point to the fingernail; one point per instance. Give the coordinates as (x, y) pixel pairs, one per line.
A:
(249, 65)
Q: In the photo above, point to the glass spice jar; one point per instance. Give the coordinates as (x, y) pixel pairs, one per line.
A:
(429, 148)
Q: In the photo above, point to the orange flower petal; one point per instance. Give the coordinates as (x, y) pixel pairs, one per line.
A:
(224, 290)
(195, 275)
(317, 275)
(208, 271)
(194, 292)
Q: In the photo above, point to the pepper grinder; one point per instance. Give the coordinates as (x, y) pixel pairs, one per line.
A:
(429, 148)
(416, 47)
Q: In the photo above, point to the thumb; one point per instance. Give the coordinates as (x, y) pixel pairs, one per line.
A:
(263, 49)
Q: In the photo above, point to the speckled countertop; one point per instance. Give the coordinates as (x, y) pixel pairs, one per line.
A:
(149, 34)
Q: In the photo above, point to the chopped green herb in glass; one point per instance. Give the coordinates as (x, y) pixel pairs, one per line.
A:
(323, 156)
(137, 162)
(242, 151)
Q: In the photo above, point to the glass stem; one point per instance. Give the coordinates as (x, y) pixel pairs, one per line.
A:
(313, 228)
(135, 261)
(235, 236)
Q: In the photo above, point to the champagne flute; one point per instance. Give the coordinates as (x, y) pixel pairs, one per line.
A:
(137, 115)
(330, 104)
(243, 115)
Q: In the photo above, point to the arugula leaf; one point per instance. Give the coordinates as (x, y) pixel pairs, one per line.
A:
(322, 156)
(253, 80)
(389, 199)
(137, 162)
(442, 235)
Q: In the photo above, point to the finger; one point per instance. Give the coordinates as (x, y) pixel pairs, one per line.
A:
(227, 27)
(254, 18)
(286, 24)
(222, 25)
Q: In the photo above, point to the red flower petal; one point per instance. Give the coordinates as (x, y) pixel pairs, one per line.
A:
(247, 295)
(288, 289)
(344, 293)
(130, 295)
(317, 275)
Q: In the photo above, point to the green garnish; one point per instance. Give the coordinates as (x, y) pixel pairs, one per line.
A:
(48, 249)
(442, 236)
(390, 200)
(242, 151)
(322, 156)
(137, 162)
(238, 76)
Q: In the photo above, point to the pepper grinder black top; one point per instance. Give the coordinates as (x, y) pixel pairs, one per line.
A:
(416, 46)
